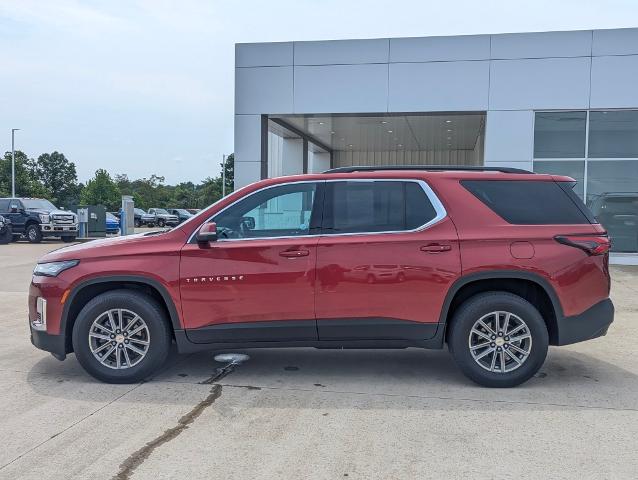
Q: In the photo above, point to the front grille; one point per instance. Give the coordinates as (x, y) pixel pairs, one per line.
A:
(63, 219)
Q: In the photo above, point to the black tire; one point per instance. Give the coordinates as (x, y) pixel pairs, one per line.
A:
(482, 304)
(68, 239)
(137, 223)
(144, 306)
(5, 236)
(161, 223)
(33, 233)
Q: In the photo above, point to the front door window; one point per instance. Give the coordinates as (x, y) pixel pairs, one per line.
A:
(282, 211)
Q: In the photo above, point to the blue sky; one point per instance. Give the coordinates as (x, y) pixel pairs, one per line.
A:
(146, 86)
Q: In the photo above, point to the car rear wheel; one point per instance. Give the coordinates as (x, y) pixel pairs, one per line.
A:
(498, 339)
(137, 223)
(121, 336)
(161, 222)
(33, 233)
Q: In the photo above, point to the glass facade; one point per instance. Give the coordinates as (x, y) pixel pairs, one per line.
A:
(599, 149)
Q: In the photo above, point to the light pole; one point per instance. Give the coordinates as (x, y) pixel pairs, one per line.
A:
(13, 162)
(223, 176)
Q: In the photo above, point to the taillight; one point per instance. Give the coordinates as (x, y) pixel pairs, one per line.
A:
(590, 244)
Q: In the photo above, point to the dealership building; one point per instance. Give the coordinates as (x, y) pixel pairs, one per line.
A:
(551, 102)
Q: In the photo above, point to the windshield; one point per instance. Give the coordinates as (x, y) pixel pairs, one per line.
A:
(37, 204)
(139, 211)
(161, 211)
(110, 216)
(181, 211)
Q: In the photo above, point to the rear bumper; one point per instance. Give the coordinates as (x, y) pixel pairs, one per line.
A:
(55, 344)
(592, 323)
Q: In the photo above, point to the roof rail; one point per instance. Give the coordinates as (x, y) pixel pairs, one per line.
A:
(432, 168)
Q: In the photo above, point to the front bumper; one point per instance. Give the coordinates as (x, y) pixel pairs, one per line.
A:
(53, 229)
(55, 344)
(592, 323)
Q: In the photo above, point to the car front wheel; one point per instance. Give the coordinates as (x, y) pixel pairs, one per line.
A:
(121, 336)
(498, 339)
(33, 233)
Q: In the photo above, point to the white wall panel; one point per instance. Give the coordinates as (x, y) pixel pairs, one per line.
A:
(539, 83)
(509, 136)
(247, 138)
(341, 88)
(525, 165)
(542, 44)
(427, 49)
(318, 162)
(614, 82)
(292, 156)
(263, 54)
(263, 90)
(335, 52)
(438, 86)
(247, 173)
(623, 41)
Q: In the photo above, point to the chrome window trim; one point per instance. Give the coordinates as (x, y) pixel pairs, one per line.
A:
(439, 209)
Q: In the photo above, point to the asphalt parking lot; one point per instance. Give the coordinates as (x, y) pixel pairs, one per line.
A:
(305, 413)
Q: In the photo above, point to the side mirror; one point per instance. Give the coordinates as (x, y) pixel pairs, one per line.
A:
(207, 233)
(248, 222)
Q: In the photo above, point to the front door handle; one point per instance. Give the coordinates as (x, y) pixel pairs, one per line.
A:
(436, 248)
(294, 253)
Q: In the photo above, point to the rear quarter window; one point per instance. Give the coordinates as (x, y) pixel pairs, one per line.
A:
(525, 202)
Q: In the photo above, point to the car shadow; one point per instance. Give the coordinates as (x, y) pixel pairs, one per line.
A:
(568, 379)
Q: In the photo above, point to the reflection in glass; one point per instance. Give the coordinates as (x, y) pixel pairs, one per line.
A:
(612, 195)
(571, 168)
(559, 134)
(613, 134)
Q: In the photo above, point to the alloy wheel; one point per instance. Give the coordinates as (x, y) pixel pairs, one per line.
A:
(119, 338)
(500, 341)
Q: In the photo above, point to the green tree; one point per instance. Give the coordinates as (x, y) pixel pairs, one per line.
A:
(60, 177)
(27, 183)
(230, 173)
(101, 190)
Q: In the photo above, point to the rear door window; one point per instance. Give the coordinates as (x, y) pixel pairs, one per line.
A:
(375, 206)
(525, 202)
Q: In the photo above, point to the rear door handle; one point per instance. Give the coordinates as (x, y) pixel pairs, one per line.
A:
(294, 253)
(436, 248)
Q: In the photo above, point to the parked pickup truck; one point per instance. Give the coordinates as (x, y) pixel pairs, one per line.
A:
(37, 218)
(143, 219)
(163, 217)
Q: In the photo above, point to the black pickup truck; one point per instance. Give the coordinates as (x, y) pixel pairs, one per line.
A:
(36, 218)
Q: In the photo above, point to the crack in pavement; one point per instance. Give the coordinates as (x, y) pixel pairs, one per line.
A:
(137, 458)
(128, 466)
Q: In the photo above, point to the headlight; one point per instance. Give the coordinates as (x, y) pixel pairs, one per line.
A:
(44, 218)
(53, 269)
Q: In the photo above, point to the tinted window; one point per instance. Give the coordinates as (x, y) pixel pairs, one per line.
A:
(38, 204)
(4, 205)
(281, 211)
(375, 206)
(529, 202)
(613, 134)
(559, 134)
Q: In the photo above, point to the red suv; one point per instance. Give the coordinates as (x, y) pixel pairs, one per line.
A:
(497, 263)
